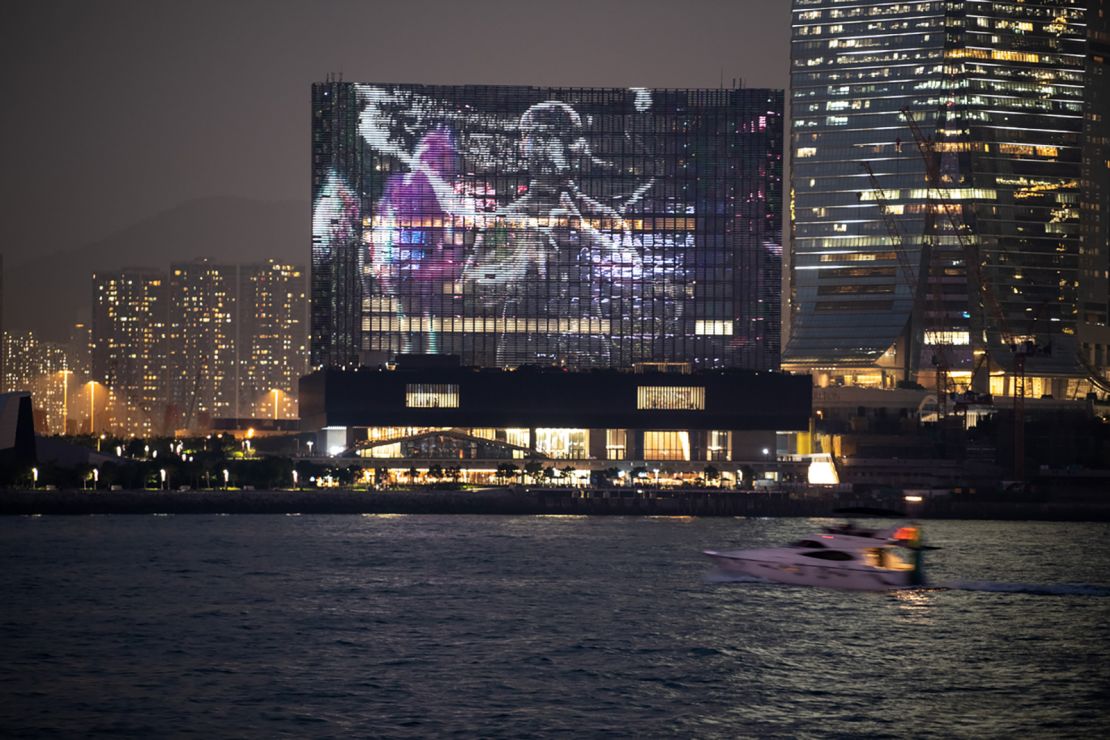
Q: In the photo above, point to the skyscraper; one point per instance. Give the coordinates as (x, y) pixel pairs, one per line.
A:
(44, 369)
(201, 342)
(935, 190)
(1094, 207)
(273, 338)
(554, 226)
(128, 351)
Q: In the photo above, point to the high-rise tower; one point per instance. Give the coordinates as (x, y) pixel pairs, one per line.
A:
(894, 270)
(273, 338)
(128, 350)
(201, 341)
(1094, 207)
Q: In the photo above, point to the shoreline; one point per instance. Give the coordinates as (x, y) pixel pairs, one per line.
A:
(532, 502)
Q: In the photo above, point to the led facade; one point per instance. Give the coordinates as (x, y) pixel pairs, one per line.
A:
(524, 225)
(997, 89)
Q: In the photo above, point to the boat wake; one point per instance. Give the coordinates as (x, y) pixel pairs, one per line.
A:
(1038, 589)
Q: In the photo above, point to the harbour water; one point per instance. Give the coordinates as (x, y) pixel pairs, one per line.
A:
(414, 626)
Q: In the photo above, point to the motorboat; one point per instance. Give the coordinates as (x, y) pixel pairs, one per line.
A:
(843, 556)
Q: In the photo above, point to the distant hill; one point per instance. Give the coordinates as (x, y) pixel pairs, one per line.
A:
(50, 293)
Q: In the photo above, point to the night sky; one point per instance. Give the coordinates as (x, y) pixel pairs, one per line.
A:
(116, 111)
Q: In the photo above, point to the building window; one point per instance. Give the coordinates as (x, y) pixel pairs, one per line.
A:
(670, 397)
(431, 396)
(667, 446)
(563, 444)
(719, 446)
(615, 442)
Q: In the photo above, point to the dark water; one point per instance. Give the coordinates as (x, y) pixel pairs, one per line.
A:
(468, 626)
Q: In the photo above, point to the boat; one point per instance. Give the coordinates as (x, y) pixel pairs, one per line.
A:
(842, 556)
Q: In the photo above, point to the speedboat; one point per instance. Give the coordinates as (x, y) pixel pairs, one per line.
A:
(842, 556)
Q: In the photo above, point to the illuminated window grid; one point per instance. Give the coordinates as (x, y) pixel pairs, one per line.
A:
(719, 264)
(431, 396)
(1015, 60)
(670, 398)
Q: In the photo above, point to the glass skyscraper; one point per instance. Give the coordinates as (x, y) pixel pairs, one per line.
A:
(553, 226)
(1094, 207)
(893, 271)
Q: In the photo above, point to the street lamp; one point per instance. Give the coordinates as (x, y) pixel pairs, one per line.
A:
(96, 477)
(34, 477)
(294, 479)
(226, 476)
(309, 443)
(162, 474)
(276, 392)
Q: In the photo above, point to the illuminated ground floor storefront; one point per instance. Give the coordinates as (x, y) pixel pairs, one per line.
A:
(540, 426)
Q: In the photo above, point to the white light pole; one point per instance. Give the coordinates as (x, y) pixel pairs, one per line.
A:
(34, 477)
(226, 476)
(96, 477)
(162, 473)
(309, 443)
(294, 479)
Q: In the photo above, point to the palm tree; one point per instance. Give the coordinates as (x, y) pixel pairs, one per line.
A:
(506, 470)
(533, 470)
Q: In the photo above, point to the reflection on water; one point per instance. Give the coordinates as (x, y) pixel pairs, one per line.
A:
(508, 626)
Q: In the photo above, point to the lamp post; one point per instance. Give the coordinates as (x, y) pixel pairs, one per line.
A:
(309, 443)
(226, 476)
(34, 477)
(294, 479)
(162, 474)
(276, 392)
(96, 477)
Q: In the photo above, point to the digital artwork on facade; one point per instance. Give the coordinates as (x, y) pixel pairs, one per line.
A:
(523, 225)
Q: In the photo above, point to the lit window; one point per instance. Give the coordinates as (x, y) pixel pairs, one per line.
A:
(666, 446)
(707, 327)
(670, 397)
(615, 440)
(431, 396)
(563, 444)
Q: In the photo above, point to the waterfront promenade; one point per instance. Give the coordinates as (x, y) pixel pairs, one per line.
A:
(539, 501)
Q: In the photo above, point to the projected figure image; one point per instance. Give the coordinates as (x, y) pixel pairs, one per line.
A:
(460, 258)
(544, 256)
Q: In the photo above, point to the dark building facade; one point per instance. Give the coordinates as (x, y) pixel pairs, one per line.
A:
(586, 228)
(896, 272)
(1094, 207)
(596, 418)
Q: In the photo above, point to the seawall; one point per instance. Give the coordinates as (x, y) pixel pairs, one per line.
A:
(534, 502)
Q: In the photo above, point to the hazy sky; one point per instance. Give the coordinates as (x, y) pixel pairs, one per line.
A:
(114, 111)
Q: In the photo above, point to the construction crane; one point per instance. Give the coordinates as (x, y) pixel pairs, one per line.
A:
(988, 301)
(910, 276)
